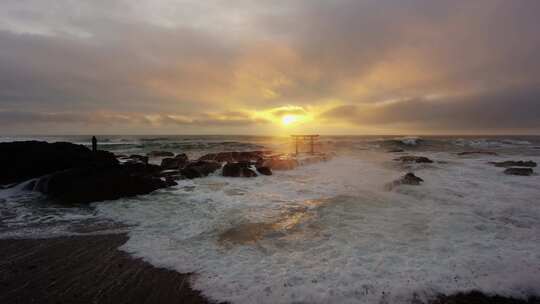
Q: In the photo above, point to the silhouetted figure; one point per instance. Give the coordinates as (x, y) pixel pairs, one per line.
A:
(94, 144)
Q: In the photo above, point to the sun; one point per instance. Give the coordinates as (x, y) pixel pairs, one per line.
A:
(289, 119)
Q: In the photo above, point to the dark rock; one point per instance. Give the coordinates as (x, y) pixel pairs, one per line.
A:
(411, 179)
(29, 159)
(477, 153)
(138, 159)
(264, 170)
(90, 184)
(510, 163)
(178, 162)
(199, 168)
(396, 151)
(414, 159)
(160, 154)
(519, 171)
(238, 170)
(231, 157)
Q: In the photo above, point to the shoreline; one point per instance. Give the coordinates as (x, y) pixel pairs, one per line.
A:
(86, 269)
(91, 269)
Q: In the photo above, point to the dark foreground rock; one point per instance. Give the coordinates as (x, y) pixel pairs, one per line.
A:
(414, 159)
(511, 163)
(29, 159)
(98, 183)
(85, 269)
(238, 170)
(519, 171)
(476, 297)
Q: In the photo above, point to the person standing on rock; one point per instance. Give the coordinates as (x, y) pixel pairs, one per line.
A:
(94, 144)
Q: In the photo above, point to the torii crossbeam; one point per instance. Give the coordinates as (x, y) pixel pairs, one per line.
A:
(310, 137)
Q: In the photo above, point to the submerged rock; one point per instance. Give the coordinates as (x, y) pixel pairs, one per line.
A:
(24, 160)
(177, 162)
(411, 179)
(510, 163)
(414, 159)
(477, 153)
(519, 171)
(407, 179)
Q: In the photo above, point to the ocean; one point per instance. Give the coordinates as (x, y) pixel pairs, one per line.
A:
(329, 232)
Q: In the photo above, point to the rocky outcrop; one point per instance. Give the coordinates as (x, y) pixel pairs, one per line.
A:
(477, 153)
(414, 159)
(241, 169)
(510, 163)
(519, 171)
(160, 154)
(232, 157)
(199, 168)
(177, 162)
(29, 159)
(98, 183)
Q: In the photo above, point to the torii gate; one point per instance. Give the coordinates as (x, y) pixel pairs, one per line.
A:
(311, 138)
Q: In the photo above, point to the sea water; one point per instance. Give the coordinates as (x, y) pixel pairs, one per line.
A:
(329, 232)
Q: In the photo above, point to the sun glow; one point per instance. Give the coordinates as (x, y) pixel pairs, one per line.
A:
(289, 119)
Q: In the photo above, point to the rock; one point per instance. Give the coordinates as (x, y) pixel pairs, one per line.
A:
(407, 179)
(411, 179)
(178, 162)
(264, 170)
(238, 170)
(510, 163)
(396, 151)
(280, 164)
(160, 154)
(231, 157)
(90, 184)
(414, 159)
(519, 171)
(24, 160)
(477, 153)
(199, 168)
(134, 158)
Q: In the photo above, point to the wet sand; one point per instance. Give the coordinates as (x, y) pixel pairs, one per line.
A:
(85, 269)
(90, 269)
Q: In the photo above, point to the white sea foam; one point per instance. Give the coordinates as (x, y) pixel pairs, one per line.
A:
(330, 233)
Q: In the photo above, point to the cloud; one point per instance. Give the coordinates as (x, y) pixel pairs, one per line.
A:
(190, 58)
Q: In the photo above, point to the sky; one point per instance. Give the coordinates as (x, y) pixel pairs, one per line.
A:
(269, 67)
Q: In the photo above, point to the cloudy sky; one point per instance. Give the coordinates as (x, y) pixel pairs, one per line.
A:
(269, 66)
